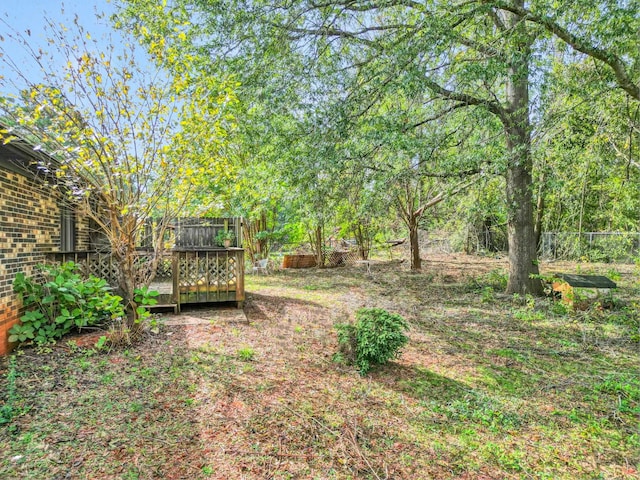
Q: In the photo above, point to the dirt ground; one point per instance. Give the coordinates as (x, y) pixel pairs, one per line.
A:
(488, 387)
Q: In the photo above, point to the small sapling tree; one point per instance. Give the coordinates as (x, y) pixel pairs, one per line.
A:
(125, 142)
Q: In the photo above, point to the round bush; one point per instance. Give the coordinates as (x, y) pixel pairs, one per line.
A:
(376, 338)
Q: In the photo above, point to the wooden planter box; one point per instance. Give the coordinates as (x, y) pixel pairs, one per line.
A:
(299, 261)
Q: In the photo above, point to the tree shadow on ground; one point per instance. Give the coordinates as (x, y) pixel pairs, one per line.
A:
(419, 382)
(320, 279)
(259, 307)
(552, 344)
(511, 357)
(447, 403)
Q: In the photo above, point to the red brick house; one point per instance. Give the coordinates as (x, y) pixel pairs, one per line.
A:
(38, 224)
(34, 220)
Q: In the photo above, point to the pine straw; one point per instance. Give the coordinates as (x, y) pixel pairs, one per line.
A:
(481, 391)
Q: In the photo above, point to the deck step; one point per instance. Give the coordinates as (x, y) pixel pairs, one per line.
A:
(174, 306)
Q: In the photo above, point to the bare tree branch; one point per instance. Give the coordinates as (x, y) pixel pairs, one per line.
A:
(444, 195)
(468, 100)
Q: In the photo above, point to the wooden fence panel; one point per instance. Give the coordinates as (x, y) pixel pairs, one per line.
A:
(200, 233)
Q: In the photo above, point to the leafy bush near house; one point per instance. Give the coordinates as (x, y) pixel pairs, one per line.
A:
(58, 299)
(376, 337)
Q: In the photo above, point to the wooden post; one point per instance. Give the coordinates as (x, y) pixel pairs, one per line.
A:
(175, 274)
(240, 278)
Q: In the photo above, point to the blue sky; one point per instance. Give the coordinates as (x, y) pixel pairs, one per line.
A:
(28, 17)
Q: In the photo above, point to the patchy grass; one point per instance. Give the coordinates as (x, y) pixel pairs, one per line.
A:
(489, 386)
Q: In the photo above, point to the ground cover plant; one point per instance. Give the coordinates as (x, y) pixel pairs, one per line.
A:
(57, 299)
(488, 386)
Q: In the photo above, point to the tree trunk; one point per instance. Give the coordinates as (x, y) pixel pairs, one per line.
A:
(124, 258)
(256, 246)
(134, 272)
(362, 236)
(319, 244)
(523, 261)
(539, 213)
(416, 263)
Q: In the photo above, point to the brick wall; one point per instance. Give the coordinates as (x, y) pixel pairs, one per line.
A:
(29, 228)
(83, 232)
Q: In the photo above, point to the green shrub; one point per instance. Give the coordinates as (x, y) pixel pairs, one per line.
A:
(497, 279)
(375, 338)
(488, 295)
(608, 248)
(559, 308)
(58, 299)
(144, 298)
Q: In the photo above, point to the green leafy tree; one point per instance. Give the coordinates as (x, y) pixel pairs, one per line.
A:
(480, 56)
(588, 147)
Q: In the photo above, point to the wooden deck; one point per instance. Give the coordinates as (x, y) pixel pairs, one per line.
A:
(184, 276)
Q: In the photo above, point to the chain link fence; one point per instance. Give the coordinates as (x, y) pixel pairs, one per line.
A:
(590, 246)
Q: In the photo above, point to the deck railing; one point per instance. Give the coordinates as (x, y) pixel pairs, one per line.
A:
(203, 276)
(183, 276)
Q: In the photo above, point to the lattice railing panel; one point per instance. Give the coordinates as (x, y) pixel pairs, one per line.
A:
(101, 265)
(143, 265)
(216, 271)
(165, 267)
(200, 276)
(190, 270)
(232, 272)
(206, 275)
